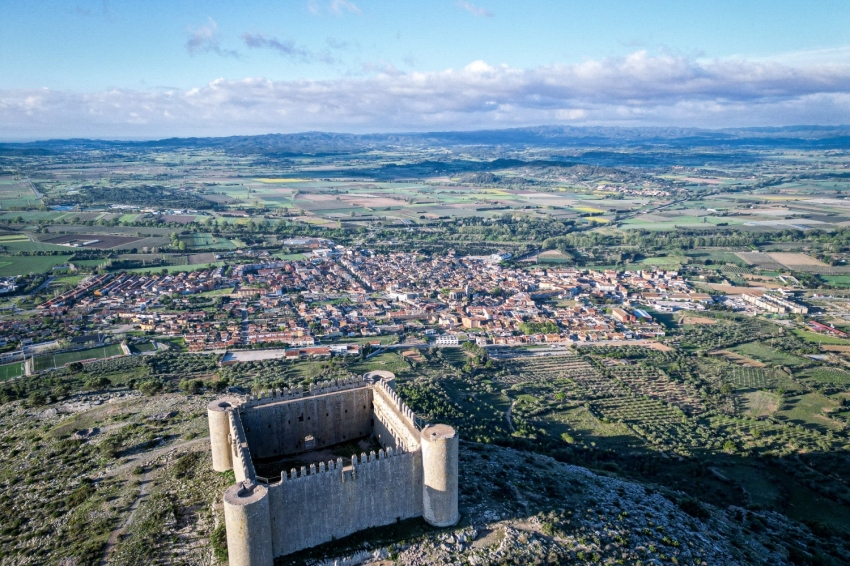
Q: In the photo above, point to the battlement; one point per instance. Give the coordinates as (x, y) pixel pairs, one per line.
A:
(243, 465)
(337, 466)
(296, 392)
(327, 500)
(400, 405)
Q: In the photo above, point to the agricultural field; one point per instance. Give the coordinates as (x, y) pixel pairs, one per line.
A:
(16, 192)
(200, 241)
(15, 265)
(767, 355)
(95, 241)
(819, 338)
(840, 281)
(812, 411)
(828, 375)
(760, 404)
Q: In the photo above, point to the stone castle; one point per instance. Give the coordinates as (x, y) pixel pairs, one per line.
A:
(414, 472)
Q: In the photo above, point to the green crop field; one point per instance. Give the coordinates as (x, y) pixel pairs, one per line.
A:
(13, 238)
(10, 371)
(810, 410)
(768, 355)
(59, 360)
(21, 265)
(28, 246)
(827, 375)
(175, 268)
(842, 281)
(818, 338)
(667, 261)
(202, 241)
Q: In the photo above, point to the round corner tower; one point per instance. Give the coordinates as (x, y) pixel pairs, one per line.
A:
(440, 475)
(247, 520)
(219, 422)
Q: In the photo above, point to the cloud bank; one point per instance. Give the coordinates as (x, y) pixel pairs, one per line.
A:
(640, 89)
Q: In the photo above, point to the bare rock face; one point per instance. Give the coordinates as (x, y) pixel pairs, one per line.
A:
(162, 417)
(87, 433)
(521, 508)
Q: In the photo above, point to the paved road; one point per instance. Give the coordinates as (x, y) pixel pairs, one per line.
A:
(47, 282)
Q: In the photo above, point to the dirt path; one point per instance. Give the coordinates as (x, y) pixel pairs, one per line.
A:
(144, 488)
(508, 417)
(137, 459)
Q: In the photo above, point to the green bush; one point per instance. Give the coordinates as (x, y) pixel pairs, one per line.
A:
(37, 399)
(218, 540)
(191, 386)
(150, 387)
(98, 382)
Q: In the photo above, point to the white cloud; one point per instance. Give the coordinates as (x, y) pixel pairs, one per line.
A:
(340, 6)
(284, 47)
(639, 89)
(337, 7)
(473, 9)
(205, 39)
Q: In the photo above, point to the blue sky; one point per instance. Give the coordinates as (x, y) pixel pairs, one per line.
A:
(156, 68)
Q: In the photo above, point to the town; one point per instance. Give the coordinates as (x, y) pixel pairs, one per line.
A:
(346, 293)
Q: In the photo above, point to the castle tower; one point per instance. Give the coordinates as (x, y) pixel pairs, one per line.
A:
(219, 433)
(439, 471)
(247, 519)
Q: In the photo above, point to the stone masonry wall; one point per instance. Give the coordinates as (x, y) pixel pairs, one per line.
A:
(280, 428)
(329, 502)
(393, 423)
(243, 465)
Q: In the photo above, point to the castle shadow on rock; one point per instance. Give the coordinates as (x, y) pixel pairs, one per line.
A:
(413, 474)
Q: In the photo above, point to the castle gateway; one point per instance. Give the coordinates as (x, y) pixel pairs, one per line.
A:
(271, 511)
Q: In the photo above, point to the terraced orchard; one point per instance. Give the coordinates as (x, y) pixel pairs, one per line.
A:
(652, 383)
(599, 402)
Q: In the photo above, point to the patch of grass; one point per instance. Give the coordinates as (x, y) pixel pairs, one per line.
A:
(22, 265)
(827, 375)
(761, 403)
(768, 355)
(842, 281)
(818, 338)
(673, 261)
(810, 410)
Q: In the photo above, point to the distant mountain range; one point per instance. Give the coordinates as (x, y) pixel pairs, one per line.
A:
(319, 143)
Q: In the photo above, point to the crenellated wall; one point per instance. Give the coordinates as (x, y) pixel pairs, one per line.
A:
(328, 502)
(394, 423)
(243, 465)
